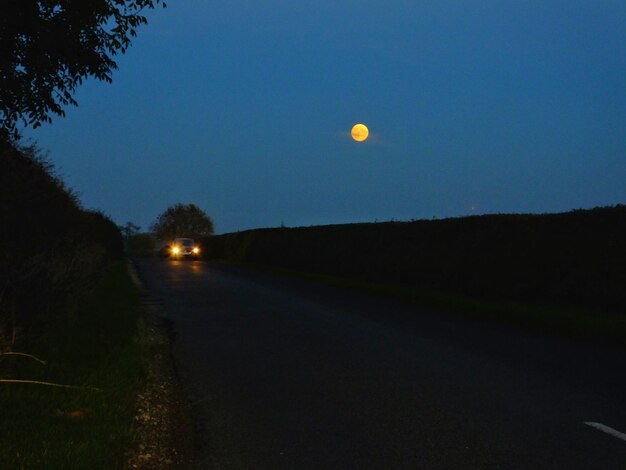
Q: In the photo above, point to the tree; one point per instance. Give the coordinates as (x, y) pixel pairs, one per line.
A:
(129, 230)
(48, 47)
(182, 220)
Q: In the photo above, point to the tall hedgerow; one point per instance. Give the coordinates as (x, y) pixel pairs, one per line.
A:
(50, 248)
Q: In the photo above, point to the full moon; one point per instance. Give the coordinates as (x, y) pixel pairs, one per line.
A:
(360, 132)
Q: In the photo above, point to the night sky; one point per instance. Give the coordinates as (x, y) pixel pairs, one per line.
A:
(245, 108)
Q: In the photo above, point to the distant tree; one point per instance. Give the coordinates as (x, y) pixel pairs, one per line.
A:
(129, 230)
(47, 48)
(182, 220)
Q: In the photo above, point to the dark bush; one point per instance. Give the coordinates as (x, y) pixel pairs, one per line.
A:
(141, 244)
(101, 230)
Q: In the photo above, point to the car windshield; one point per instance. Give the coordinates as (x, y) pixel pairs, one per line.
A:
(184, 241)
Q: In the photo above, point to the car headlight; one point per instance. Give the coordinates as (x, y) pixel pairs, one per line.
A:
(175, 250)
(196, 250)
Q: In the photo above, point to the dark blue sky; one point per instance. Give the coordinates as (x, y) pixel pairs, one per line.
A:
(245, 108)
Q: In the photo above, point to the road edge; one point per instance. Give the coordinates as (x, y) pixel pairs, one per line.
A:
(164, 426)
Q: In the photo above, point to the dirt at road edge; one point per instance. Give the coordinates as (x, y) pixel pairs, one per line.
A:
(164, 426)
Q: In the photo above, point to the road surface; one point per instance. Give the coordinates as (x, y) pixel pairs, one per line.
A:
(289, 374)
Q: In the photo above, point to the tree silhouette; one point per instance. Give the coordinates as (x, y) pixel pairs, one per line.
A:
(182, 220)
(129, 230)
(48, 47)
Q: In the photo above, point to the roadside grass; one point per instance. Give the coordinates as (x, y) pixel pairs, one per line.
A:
(94, 345)
(583, 325)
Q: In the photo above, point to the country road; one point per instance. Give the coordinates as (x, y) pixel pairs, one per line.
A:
(288, 374)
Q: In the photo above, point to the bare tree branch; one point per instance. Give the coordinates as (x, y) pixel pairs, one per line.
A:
(50, 384)
(11, 353)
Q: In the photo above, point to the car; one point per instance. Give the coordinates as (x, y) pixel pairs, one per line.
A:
(184, 248)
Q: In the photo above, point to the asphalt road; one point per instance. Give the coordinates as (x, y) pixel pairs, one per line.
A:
(288, 374)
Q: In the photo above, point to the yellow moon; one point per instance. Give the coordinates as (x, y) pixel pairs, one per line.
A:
(360, 132)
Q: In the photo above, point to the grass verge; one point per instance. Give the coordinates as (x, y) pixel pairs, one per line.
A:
(584, 325)
(95, 345)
